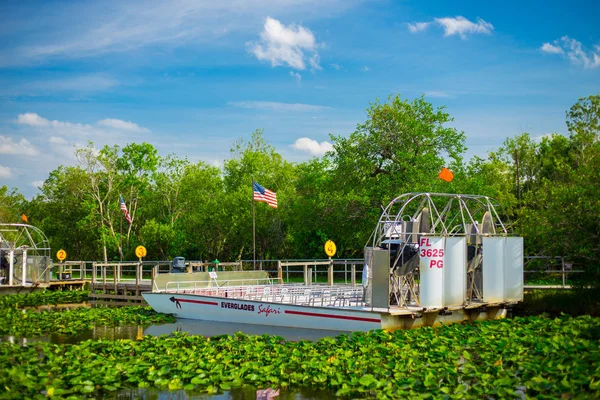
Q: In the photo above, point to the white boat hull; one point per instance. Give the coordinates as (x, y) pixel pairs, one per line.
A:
(209, 308)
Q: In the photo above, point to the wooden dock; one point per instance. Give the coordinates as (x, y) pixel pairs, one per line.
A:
(120, 284)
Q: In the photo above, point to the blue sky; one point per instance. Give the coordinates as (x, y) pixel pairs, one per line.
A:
(193, 76)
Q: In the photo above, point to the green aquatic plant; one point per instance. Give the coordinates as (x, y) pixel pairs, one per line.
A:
(43, 297)
(524, 357)
(31, 323)
(20, 320)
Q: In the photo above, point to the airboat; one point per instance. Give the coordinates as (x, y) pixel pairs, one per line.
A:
(24, 256)
(433, 258)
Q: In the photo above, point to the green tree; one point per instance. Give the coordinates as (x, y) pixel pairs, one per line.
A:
(308, 211)
(12, 204)
(258, 161)
(400, 148)
(584, 125)
(66, 214)
(102, 185)
(161, 208)
(137, 166)
(560, 217)
(202, 229)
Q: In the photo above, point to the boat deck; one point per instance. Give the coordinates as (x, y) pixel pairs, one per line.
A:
(297, 294)
(316, 295)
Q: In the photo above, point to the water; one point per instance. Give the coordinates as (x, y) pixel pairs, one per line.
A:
(213, 328)
(98, 333)
(235, 394)
(193, 327)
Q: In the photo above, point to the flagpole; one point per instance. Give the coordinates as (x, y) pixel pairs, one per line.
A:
(253, 230)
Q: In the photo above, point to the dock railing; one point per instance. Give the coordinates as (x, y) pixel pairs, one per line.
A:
(548, 272)
(348, 271)
(540, 272)
(122, 282)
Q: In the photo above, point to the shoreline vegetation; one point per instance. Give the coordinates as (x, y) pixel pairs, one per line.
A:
(533, 356)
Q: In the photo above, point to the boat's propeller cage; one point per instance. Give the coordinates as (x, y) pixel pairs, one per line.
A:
(428, 251)
(24, 255)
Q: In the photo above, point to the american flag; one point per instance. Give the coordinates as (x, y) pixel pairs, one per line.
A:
(262, 194)
(124, 209)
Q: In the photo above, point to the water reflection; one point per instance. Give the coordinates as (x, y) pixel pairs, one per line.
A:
(213, 328)
(97, 333)
(192, 327)
(236, 394)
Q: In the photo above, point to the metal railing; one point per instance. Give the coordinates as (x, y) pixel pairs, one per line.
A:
(348, 271)
(295, 294)
(213, 284)
(548, 266)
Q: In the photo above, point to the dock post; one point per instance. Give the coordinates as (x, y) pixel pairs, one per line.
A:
(103, 273)
(330, 273)
(279, 272)
(138, 274)
(309, 274)
(562, 265)
(306, 277)
(345, 272)
(116, 269)
(353, 275)
(154, 272)
(93, 282)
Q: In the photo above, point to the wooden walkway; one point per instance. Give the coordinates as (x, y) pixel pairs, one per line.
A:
(110, 286)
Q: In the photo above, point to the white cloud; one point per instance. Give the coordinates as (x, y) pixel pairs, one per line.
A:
(462, 26)
(23, 147)
(312, 146)
(122, 125)
(438, 94)
(365, 69)
(455, 26)
(286, 45)
(337, 67)
(66, 127)
(37, 184)
(97, 27)
(314, 62)
(549, 48)
(275, 106)
(32, 119)
(574, 51)
(418, 26)
(57, 140)
(5, 172)
(296, 76)
(577, 54)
